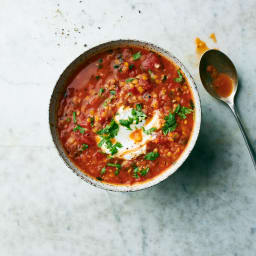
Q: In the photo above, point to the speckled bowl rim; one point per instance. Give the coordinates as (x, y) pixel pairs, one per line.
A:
(61, 85)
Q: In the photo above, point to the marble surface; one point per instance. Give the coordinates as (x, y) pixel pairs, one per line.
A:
(207, 208)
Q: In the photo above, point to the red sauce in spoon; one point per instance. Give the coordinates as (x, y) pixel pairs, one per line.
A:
(222, 83)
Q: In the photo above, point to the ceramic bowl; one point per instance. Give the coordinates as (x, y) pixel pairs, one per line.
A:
(63, 82)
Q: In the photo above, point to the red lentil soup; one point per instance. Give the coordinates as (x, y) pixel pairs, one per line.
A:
(126, 116)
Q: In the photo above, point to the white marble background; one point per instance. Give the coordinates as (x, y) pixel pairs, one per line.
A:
(207, 208)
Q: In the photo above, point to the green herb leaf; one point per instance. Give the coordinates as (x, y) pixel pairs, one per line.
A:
(129, 80)
(131, 66)
(114, 148)
(112, 92)
(118, 166)
(164, 78)
(151, 156)
(180, 78)
(149, 131)
(74, 117)
(137, 114)
(144, 172)
(126, 122)
(184, 111)
(97, 77)
(101, 91)
(79, 128)
(177, 109)
(170, 124)
(99, 178)
(68, 119)
(92, 121)
(116, 66)
(136, 56)
(110, 131)
(152, 76)
(103, 171)
(84, 147)
(100, 60)
(136, 172)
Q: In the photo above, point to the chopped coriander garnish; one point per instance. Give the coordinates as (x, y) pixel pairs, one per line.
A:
(100, 60)
(164, 78)
(101, 91)
(136, 56)
(170, 121)
(105, 102)
(129, 80)
(112, 92)
(92, 121)
(137, 116)
(137, 113)
(135, 172)
(79, 128)
(144, 172)
(184, 111)
(99, 178)
(103, 171)
(97, 77)
(170, 124)
(116, 66)
(110, 131)
(74, 117)
(100, 66)
(118, 166)
(180, 78)
(149, 131)
(152, 76)
(177, 109)
(84, 147)
(68, 119)
(131, 66)
(114, 148)
(151, 156)
(126, 122)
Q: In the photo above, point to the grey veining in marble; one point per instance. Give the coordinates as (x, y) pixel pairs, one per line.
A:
(207, 208)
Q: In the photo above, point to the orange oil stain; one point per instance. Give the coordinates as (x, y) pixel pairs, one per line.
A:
(213, 37)
(201, 46)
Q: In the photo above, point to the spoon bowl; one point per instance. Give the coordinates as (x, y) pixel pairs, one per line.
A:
(223, 64)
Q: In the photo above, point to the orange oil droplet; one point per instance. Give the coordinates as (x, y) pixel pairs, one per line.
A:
(213, 37)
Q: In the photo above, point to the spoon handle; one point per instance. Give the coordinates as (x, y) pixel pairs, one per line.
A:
(247, 142)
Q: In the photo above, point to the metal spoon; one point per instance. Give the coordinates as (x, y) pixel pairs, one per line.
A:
(224, 65)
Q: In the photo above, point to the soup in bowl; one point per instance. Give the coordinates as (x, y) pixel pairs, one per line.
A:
(125, 115)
